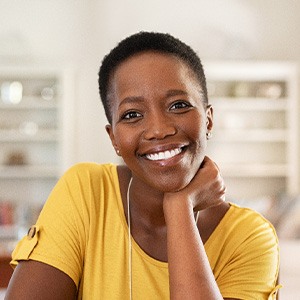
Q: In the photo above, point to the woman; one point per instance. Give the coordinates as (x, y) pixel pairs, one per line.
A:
(158, 227)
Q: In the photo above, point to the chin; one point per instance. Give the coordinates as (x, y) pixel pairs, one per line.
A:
(169, 184)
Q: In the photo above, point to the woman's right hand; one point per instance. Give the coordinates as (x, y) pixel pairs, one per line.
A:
(205, 190)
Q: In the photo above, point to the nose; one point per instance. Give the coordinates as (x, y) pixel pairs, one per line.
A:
(158, 127)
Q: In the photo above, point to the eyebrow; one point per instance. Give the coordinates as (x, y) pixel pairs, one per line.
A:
(138, 99)
(132, 99)
(171, 93)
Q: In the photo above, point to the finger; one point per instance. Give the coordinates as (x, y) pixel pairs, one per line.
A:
(207, 159)
(206, 162)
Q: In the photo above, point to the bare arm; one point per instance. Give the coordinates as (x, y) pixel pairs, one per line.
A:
(34, 280)
(190, 274)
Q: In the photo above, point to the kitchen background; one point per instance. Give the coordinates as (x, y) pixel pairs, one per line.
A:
(51, 116)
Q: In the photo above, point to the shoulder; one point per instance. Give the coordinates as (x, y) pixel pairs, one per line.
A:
(244, 238)
(248, 226)
(85, 168)
(243, 228)
(245, 215)
(85, 180)
(91, 172)
(245, 254)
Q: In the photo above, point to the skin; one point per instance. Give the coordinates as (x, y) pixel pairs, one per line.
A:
(156, 106)
(155, 97)
(154, 110)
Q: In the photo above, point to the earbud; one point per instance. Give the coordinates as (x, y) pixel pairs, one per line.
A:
(208, 135)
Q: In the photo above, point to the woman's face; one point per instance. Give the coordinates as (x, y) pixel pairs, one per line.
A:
(159, 121)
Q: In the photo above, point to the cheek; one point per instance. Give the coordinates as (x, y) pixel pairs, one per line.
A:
(126, 142)
(197, 130)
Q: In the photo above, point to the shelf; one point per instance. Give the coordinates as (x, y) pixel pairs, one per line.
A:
(42, 135)
(32, 103)
(250, 70)
(36, 139)
(250, 135)
(253, 170)
(249, 104)
(28, 172)
(8, 232)
(9, 235)
(256, 131)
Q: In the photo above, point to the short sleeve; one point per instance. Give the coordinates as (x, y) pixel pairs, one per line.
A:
(273, 295)
(58, 238)
(26, 245)
(252, 270)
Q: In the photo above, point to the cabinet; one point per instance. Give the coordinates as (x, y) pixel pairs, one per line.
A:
(36, 139)
(255, 136)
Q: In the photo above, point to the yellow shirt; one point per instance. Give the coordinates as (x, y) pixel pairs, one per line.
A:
(82, 231)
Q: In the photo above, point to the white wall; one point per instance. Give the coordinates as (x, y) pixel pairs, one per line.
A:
(81, 32)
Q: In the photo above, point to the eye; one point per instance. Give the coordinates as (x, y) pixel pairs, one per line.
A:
(131, 115)
(180, 105)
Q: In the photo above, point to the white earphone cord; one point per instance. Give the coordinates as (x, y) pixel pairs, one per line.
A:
(129, 241)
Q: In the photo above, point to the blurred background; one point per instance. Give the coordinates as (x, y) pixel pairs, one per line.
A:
(51, 116)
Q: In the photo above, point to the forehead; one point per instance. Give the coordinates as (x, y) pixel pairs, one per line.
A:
(151, 69)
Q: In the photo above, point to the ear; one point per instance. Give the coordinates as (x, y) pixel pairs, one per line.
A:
(209, 118)
(111, 135)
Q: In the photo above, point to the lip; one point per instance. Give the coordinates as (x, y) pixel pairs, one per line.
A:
(163, 154)
(162, 148)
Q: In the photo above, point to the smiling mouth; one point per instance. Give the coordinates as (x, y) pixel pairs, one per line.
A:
(163, 154)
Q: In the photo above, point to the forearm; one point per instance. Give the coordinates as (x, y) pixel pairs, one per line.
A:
(190, 274)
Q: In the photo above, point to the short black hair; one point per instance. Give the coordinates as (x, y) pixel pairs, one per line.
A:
(141, 42)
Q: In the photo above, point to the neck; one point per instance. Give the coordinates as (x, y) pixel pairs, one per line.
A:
(146, 204)
(145, 225)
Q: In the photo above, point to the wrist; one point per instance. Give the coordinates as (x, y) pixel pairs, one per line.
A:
(175, 206)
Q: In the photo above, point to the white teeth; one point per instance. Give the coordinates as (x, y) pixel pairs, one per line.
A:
(164, 155)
